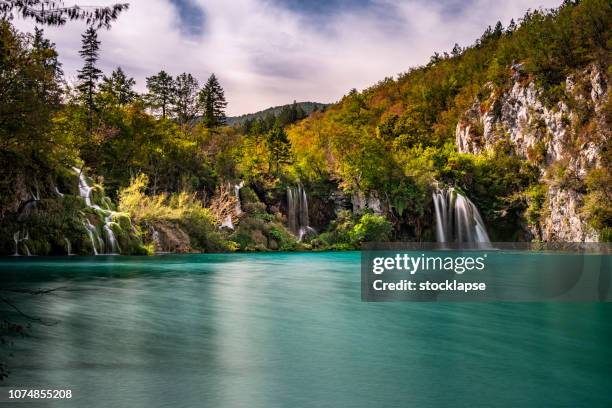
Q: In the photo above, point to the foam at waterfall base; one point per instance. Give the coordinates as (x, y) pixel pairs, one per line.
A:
(458, 218)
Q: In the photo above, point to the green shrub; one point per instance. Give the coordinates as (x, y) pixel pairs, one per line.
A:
(597, 202)
(182, 208)
(536, 197)
(371, 228)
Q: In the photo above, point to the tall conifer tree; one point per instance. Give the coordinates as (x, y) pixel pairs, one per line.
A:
(161, 89)
(90, 73)
(119, 87)
(212, 103)
(185, 103)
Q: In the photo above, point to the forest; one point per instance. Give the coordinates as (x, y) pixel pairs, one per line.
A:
(96, 167)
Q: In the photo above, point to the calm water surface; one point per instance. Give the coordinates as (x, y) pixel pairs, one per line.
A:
(289, 330)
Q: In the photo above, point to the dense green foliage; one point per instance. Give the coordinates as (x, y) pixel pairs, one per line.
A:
(394, 140)
(183, 209)
(398, 136)
(306, 107)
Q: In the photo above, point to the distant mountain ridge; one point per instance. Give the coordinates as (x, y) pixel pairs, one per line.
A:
(307, 107)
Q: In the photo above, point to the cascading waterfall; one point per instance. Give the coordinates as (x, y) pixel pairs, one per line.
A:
(84, 188)
(457, 218)
(111, 246)
(227, 223)
(68, 247)
(297, 212)
(21, 238)
(92, 232)
(237, 187)
(110, 235)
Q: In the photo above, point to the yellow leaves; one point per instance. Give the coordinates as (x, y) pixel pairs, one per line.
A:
(171, 207)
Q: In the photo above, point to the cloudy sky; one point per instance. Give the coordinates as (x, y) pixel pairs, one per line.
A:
(271, 52)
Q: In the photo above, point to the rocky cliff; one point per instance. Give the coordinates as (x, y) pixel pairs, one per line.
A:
(565, 139)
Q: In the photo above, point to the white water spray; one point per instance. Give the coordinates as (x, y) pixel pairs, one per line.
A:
(84, 188)
(227, 223)
(111, 246)
(111, 241)
(457, 218)
(68, 247)
(238, 207)
(297, 212)
(20, 238)
(92, 232)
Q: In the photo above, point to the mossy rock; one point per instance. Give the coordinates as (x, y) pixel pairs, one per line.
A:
(107, 203)
(97, 195)
(123, 220)
(247, 196)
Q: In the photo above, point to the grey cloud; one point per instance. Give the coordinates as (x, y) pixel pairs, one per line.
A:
(266, 53)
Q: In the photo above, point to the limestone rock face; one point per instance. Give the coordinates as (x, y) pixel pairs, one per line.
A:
(565, 223)
(546, 136)
(169, 237)
(366, 201)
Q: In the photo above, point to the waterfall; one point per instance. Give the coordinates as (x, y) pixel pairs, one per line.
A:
(291, 210)
(21, 238)
(297, 212)
(238, 208)
(68, 247)
(227, 223)
(111, 243)
(155, 237)
(16, 239)
(84, 188)
(457, 218)
(92, 232)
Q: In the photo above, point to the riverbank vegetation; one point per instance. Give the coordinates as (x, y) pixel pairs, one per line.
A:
(363, 168)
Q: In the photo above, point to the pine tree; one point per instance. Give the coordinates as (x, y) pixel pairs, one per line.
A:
(185, 101)
(55, 13)
(119, 87)
(89, 74)
(212, 103)
(279, 148)
(511, 27)
(498, 30)
(456, 50)
(44, 50)
(161, 90)
(44, 53)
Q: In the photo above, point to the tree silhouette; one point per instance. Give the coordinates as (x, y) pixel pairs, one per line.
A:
(161, 89)
(54, 12)
(212, 102)
(89, 74)
(119, 87)
(185, 104)
(279, 148)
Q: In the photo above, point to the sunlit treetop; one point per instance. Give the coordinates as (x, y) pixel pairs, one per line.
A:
(56, 13)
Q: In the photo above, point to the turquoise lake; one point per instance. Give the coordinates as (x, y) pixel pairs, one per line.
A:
(290, 330)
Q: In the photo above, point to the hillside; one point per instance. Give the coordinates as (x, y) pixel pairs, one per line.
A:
(307, 107)
(521, 125)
